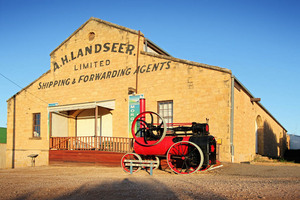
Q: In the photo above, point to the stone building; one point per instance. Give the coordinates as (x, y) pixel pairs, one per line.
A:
(86, 94)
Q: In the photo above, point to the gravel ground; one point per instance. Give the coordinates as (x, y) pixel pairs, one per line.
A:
(232, 181)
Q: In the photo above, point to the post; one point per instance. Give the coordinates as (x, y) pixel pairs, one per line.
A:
(232, 119)
(32, 162)
(50, 124)
(50, 130)
(137, 63)
(142, 109)
(130, 167)
(151, 168)
(14, 135)
(96, 119)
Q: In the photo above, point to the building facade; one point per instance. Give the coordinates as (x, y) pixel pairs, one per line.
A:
(95, 72)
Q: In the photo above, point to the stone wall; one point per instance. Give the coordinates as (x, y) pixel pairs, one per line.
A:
(254, 124)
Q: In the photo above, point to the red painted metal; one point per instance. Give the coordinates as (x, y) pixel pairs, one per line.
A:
(160, 149)
(142, 105)
(142, 109)
(212, 148)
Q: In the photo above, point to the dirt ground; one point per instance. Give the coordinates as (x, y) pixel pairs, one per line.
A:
(232, 181)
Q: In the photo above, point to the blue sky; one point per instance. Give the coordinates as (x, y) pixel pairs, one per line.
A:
(259, 40)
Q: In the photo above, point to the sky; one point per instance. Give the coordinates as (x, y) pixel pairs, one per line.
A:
(258, 40)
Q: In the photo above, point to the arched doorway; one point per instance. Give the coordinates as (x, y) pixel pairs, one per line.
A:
(259, 132)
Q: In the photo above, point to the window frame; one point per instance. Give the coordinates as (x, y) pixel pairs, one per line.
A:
(36, 125)
(168, 118)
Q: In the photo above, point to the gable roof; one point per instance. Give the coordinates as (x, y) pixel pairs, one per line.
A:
(156, 48)
(147, 41)
(100, 21)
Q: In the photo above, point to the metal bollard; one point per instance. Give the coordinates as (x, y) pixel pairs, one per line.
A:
(130, 167)
(151, 169)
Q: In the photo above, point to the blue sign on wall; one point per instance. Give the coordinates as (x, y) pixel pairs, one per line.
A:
(134, 109)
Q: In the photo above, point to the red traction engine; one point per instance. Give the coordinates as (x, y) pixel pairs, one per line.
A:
(187, 147)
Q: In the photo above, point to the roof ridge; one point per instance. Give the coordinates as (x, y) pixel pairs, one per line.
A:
(30, 84)
(188, 62)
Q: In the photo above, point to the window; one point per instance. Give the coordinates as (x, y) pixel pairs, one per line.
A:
(37, 125)
(165, 110)
(91, 36)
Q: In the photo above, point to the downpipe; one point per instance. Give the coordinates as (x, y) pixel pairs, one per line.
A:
(232, 119)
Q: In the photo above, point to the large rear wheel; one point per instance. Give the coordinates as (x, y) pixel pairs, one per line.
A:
(185, 157)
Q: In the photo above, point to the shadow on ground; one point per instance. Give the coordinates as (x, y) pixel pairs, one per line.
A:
(131, 189)
(128, 188)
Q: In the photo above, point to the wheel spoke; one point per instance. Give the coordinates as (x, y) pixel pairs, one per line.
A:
(177, 149)
(188, 166)
(145, 138)
(144, 123)
(142, 130)
(182, 165)
(151, 119)
(160, 125)
(191, 152)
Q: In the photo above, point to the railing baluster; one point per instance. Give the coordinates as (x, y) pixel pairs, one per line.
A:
(113, 144)
(100, 143)
(89, 143)
(69, 143)
(110, 146)
(63, 144)
(117, 144)
(94, 143)
(107, 144)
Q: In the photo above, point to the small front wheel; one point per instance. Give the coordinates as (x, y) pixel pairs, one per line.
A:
(129, 158)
